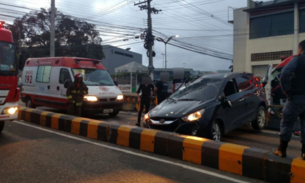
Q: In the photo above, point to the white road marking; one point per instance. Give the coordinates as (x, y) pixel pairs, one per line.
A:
(135, 154)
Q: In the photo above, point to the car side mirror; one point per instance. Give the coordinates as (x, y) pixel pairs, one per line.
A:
(226, 102)
(67, 83)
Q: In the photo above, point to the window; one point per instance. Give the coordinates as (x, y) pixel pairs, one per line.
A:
(230, 88)
(272, 25)
(270, 55)
(243, 82)
(95, 77)
(64, 76)
(302, 21)
(43, 74)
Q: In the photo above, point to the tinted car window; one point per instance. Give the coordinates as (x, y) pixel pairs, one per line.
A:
(201, 89)
(230, 88)
(243, 82)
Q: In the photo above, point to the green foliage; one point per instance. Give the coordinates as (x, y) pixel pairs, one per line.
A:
(73, 37)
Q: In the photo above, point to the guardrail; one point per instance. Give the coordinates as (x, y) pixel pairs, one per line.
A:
(273, 121)
(131, 102)
(246, 161)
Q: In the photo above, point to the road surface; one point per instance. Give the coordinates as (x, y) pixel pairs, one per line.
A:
(30, 153)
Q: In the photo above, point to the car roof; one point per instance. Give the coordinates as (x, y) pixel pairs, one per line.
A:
(224, 75)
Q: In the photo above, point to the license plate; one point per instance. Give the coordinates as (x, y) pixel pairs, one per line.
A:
(107, 111)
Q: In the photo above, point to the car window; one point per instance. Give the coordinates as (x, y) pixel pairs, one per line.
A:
(230, 88)
(64, 76)
(243, 82)
(43, 74)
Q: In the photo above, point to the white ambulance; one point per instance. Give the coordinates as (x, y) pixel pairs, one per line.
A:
(45, 81)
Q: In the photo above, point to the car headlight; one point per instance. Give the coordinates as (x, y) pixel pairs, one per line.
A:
(120, 97)
(146, 117)
(90, 98)
(10, 110)
(194, 116)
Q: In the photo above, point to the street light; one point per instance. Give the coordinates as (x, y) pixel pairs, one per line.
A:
(165, 43)
(163, 59)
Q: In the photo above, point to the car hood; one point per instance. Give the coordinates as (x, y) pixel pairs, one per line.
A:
(104, 91)
(176, 109)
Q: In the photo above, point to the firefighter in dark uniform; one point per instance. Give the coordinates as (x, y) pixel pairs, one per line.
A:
(293, 85)
(75, 94)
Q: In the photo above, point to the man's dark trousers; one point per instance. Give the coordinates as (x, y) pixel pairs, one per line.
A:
(144, 102)
(294, 108)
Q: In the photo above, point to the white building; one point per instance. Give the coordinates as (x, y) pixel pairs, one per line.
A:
(264, 32)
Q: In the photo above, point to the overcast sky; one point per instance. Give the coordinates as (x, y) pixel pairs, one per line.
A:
(190, 19)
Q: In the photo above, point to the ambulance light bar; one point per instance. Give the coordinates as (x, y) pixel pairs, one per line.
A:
(95, 62)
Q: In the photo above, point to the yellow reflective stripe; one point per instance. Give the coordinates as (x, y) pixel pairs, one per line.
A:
(79, 104)
(85, 92)
(73, 101)
(73, 91)
(70, 96)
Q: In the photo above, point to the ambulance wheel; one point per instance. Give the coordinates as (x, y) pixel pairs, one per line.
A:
(114, 114)
(1, 126)
(29, 103)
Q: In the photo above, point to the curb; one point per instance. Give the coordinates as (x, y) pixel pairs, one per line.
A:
(246, 161)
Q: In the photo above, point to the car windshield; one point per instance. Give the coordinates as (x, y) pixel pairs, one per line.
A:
(95, 77)
(276, 73)
(201, 89)
(7, 57)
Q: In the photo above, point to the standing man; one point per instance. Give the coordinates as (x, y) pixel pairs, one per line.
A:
(75, 94)
(161, 90)
(293, 85)
(147, 91)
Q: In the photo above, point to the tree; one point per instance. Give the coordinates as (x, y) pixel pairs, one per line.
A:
(73, 37)
(231, 67)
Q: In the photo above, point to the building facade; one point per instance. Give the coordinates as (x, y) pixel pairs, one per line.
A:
(116, 57)
(267, 32)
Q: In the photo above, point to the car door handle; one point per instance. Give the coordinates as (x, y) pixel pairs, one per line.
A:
(48, 87)
(57, 87)
(241, 99)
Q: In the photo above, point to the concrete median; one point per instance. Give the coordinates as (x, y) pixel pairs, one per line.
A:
(246, 161)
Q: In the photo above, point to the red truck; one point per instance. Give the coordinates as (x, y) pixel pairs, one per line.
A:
(9, 91)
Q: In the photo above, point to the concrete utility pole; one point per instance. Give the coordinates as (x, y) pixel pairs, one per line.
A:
(150, 43)
(52, 30)
(163, 59)
(149, 38)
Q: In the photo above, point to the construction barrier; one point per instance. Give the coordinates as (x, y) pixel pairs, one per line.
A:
(131, 102)
(246, 161)
(273, 121)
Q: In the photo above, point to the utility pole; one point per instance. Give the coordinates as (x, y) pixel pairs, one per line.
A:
(163, 59)
(52, 30)
(149, 38)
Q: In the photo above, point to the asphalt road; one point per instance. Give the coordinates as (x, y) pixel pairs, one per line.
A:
(245, 135)
(31, 153)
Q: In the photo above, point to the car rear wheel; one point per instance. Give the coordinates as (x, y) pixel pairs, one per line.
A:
(260, 121)
(1, 125)
(29, 103)
(215, 132)
(114, 114)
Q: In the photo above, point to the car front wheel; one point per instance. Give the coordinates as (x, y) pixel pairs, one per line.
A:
(114, 114)
(260, 121)
(1, 125)
(215, 132)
